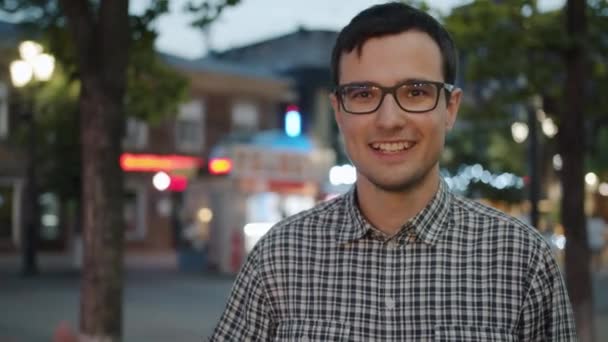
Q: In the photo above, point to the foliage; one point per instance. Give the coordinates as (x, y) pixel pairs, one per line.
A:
(154, 90)
(208, 10)
(511, 51)
(59, 139)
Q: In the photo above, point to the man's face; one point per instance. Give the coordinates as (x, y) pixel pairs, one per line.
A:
(392, 149)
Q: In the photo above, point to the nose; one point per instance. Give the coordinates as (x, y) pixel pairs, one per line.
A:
(389, 115)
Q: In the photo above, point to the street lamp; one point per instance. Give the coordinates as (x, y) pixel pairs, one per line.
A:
(33, 67)
(520, 131)
(528, 131)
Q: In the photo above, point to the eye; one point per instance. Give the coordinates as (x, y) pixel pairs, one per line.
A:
(419, 90)
(359, 92)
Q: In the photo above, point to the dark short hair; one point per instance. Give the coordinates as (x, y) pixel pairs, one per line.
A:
(393, 18)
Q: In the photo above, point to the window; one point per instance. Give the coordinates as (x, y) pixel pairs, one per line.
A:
(189, 127)
(134, 213)
(3, 111)
(49, 212)
(6, 211)
(244, 116)
(136, 136)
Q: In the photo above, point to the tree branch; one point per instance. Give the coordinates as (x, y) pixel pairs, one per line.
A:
(81, 23)
(115, 40)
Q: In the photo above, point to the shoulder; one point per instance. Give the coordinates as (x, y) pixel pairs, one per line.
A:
(481, 220)
(309, 226)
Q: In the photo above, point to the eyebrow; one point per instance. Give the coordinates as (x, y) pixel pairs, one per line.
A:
(402, 81)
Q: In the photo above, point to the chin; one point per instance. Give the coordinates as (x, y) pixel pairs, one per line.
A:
(400, 180)
(396, 185)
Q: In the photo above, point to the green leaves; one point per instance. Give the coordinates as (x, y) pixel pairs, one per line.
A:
(154, 90)
(510, 50)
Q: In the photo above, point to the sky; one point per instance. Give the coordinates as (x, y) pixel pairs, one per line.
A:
(256, 20)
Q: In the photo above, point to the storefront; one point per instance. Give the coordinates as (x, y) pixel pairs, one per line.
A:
(150, 209)
(267, 177)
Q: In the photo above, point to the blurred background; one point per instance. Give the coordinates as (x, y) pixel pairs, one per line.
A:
(227, 129)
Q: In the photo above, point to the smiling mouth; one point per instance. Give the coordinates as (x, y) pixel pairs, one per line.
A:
(392, 147)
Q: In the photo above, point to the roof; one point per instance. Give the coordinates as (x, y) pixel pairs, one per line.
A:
(215, 65)
(299, 49)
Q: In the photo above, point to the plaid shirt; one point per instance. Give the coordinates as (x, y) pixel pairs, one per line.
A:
(457, 271)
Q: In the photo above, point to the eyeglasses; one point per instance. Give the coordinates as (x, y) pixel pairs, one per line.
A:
(411, 96)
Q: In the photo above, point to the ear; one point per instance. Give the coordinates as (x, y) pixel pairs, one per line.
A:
(452, 108)
(335, 105)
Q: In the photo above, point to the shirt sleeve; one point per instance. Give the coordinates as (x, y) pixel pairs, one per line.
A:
(247, 316)
(547, 313)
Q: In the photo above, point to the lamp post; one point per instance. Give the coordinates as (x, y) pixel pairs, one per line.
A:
(529, 131)
(533, 147)
(33, 67)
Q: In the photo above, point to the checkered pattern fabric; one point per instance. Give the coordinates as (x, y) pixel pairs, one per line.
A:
(458, 271)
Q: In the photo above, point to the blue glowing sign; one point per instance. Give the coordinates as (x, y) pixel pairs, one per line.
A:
(293, 122)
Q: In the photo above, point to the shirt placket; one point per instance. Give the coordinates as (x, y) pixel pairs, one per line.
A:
(390, 300)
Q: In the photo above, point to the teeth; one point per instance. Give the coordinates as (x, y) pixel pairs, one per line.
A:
(392, 147)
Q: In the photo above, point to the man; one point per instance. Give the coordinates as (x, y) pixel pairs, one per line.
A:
(399, 258)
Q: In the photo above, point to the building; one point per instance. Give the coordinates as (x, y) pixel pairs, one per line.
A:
(303, 56)
(224, 98)
(12, 158)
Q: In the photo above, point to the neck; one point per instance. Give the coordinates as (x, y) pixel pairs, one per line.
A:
(389, 210)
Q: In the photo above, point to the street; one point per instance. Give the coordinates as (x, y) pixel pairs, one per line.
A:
(160, 304)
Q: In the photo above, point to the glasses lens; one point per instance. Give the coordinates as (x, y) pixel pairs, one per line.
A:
(417, 97)
(360, 98)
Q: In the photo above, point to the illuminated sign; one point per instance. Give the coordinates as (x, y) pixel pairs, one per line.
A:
(220, 166)
(293, 121)
(154, 163)
(174, 183)
(263, 163)
(178, 183)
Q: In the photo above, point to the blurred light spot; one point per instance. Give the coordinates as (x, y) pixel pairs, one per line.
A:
(205, 215)
(603, 189)
(549, 127)
(559, 241)
(591, 179)
(557, 162)
(161, 181)
(345, 174)
(519, 130)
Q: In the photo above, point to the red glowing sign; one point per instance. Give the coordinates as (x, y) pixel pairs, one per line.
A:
(178, 183)
(291, 108)
(220, 166)
(153, 163)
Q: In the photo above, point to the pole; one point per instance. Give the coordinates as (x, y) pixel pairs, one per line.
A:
(533, 147)
(30, 205)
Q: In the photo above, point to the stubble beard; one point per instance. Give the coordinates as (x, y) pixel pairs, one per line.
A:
(408, 184)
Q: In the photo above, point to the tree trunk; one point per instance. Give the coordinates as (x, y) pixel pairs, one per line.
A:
(572, 149)
(101, 287)
(102, 39)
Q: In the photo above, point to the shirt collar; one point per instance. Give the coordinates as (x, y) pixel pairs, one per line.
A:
(354, 225)
(427, 225)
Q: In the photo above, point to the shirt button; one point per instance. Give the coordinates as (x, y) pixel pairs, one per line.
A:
(390, 303)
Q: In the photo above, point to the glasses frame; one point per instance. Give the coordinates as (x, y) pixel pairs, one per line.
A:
(339, 90)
